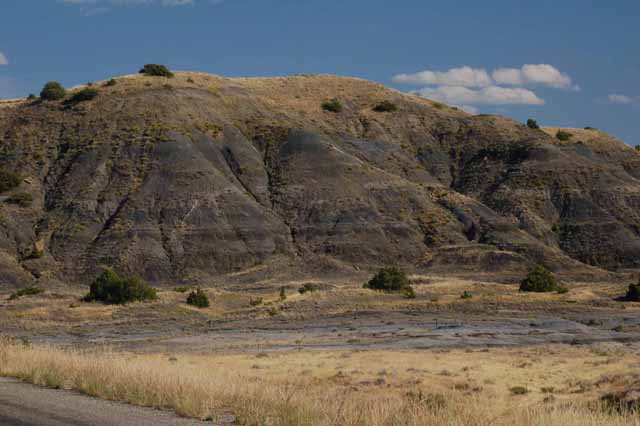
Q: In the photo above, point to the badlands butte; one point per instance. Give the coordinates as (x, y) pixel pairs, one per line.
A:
(199, 179)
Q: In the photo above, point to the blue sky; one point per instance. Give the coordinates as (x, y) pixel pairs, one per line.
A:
(568, 63)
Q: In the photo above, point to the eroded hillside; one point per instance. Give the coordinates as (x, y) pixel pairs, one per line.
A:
(189, 178)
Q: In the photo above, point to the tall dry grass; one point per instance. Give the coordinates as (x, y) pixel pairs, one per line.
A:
(190, 390)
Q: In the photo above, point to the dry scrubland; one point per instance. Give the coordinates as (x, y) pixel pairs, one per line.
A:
(347, 388)
(549, 384)
(58, 310)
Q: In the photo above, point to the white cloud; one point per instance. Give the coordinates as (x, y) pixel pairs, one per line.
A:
(464, 76)
(3, 59)
(620, 99)
(470, 109)
(492, 95)
(542, 74)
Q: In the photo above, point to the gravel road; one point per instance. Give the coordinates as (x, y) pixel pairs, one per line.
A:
(22, 404)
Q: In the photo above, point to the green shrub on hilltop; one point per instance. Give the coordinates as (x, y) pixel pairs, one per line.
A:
(156, 70)
(389, 279)
(9, 180)
(532, 124)
(52, 91)
(539, 280)
(83, 95)
(198, 298)
(112, 289)
(563, 135)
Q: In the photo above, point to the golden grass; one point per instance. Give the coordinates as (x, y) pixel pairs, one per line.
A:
(335, 388)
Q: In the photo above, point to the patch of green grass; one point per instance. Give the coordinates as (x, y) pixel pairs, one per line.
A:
(519, 390)
(23, 199)
(27, 291)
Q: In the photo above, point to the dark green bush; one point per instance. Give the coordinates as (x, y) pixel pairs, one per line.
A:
(309, 287)
(83, 95)
(111, 82)
(112, 289)
(633, 294)
(563, 136)
(385, 106)
(181, 289)
(9, 180)
(52, 91)
(23, 199)
(332, 105)
(519, 390)
(198, 299)
(27, 291)
(31, 97)
(532, 124)
(591, 128)
(408, 292)
(388, 279)
(255, 302)
(283, 293)
(156, 70)
(466, 295)
(539, 280)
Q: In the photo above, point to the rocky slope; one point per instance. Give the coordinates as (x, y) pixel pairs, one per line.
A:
(198, 176)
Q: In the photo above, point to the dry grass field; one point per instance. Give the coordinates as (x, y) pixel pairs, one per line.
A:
(319, 358)
(549, 385)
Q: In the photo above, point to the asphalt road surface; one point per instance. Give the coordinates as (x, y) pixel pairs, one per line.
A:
(22, 404)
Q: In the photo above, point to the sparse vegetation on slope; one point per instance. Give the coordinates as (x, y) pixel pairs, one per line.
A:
(332, 105)
(563, 136)
(385, 106)
(9, 180)
(22, 199)
(27, 291)
(83, 95)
